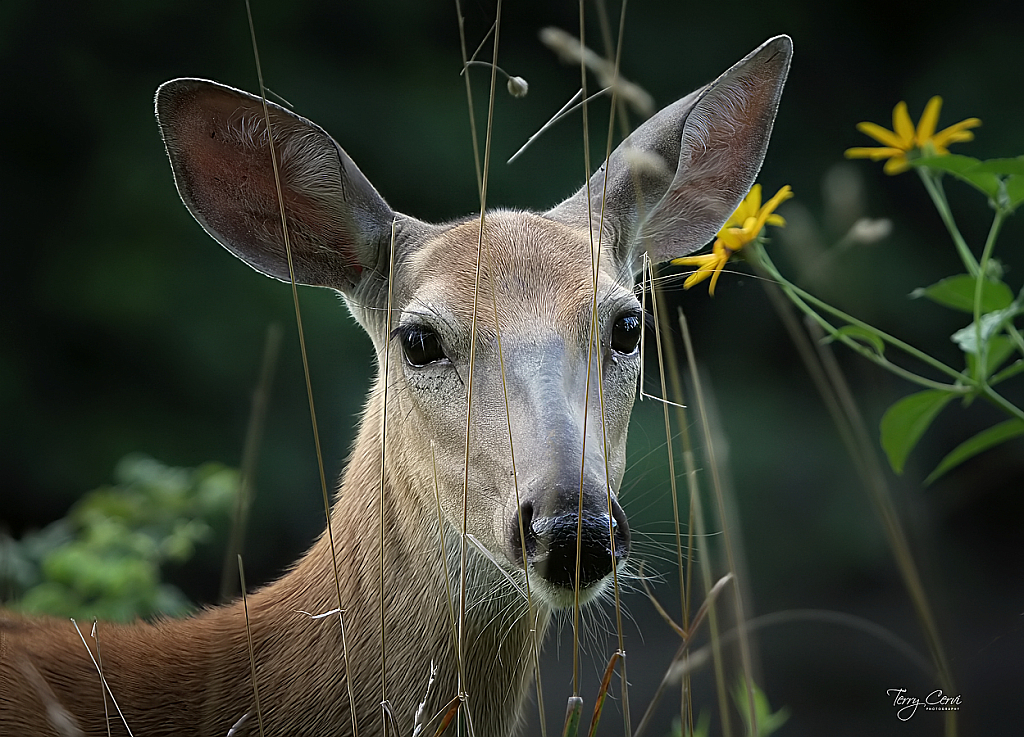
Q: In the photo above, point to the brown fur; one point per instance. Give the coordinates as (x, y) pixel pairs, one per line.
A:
(192, 676)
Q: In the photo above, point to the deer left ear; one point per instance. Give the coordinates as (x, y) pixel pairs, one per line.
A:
(673, 182)
(220, 150)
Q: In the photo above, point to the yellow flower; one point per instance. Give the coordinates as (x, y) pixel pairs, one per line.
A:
(742, 227)
(903, 139)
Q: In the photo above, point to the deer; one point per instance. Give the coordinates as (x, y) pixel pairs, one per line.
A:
(507, 356)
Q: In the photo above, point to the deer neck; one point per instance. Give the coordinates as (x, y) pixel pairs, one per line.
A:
(420, 646)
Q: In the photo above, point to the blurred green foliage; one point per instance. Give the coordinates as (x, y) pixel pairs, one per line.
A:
(761, 723)
(104, 558)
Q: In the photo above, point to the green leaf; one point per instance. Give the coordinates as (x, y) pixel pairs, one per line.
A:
(984, 440)
(1015, 190)
(767, 721)
(953, 163)
(1002, 180)
(991, 323)
(964, 168)
(1001, 166)
(904, 423)
(1000, 348)
(1007, 373)
(104, 558)
(958, 292)
(863, 335)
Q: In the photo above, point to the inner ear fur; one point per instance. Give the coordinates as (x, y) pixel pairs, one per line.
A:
(674, 181)
(220, 150)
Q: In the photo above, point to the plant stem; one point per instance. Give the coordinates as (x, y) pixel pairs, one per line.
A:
(1011, 370)
(1016, 337)
(867, 353)
(934, 186)
(798, 295)
(981, 364)
(1002, 402)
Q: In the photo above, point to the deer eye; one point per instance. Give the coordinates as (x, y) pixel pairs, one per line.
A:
(421, 345)
(626, 333)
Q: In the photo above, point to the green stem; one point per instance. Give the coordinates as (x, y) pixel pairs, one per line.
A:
(933, 185)
(793, 290)
(1004, 404)
(964, 385)
(1008, 372)
(866, 352)
(1016, 337)
(981, 364)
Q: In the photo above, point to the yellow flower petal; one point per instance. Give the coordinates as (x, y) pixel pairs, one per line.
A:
(875, 154)
(714, 281)
(748, 207)
(930, 116)
(696, 278)
(733, 239)
(903, 126)
(742, 227)
(735, 221)
(721, 251)
(904, 139)
(956, 133)
(896, 165)
(702, 260)
(880, 134)
(959, 137)
(752, 202)
(712, 264)
(781, 196)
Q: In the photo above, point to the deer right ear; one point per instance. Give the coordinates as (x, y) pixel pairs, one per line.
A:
(220, 152)
(673, 182)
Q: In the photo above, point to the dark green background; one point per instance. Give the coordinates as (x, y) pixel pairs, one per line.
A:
(124, 328)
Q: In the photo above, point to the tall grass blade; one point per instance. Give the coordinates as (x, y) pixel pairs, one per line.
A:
(603, 692)
(252, 652)
(449, 715)
(250, 455)
(573, 711)
(305, 363)
(103, 679)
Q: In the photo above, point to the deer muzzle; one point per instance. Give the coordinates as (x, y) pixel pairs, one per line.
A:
(569, 545)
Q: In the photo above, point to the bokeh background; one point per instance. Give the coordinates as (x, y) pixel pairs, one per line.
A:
(124, 328)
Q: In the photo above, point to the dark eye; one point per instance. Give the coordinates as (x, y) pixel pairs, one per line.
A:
(420, 345)
(626, 333)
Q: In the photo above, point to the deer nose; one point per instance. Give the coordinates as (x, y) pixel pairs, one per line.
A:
(551, 543)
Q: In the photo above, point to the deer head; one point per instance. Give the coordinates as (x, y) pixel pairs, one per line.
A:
(535, 312)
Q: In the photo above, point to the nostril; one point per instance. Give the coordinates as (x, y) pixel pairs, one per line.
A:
(526, 515)
(522, 535)
(620, 532)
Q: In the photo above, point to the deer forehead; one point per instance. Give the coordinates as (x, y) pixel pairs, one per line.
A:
(540, 271)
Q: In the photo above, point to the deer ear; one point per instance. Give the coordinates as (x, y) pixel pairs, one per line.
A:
(674, 181)
(219, 147)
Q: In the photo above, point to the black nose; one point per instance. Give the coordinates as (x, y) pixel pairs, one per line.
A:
(552, 543)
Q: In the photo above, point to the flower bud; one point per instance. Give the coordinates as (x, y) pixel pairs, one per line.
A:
(518, 87)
